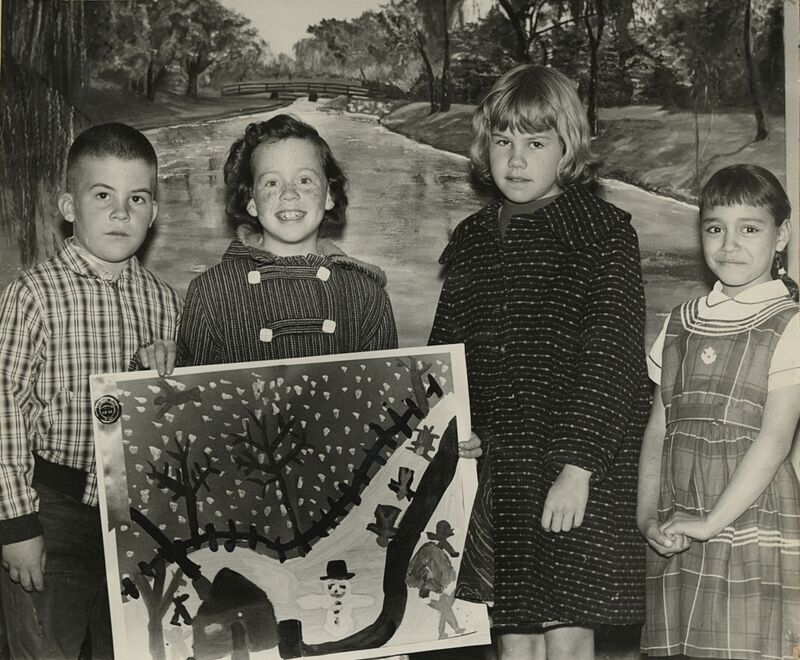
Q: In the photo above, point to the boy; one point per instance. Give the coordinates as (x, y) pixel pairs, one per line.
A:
(88, 309)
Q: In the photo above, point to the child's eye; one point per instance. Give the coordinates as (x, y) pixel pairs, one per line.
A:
(750, 229)
(713, 229)
(501, 142)
(270, 183)
(138, 199)
(102, 196)
(305, 180)
(536, 145)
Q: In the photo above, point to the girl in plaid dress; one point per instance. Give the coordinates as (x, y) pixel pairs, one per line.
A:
(719, 501)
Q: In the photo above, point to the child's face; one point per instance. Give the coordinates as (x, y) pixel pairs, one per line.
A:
(111, 206)
(739, 245)
(524, 166)
(290, 195)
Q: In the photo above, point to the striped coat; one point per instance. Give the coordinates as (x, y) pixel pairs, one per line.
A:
(257, 306)
(553, 322)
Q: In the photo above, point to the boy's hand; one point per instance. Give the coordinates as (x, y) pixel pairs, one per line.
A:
(664, 544)
(566, 500)
(160, 355)
(25, 562)
(695, 527)
(470, 448)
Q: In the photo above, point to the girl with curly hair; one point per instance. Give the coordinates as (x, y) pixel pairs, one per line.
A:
(280, 290)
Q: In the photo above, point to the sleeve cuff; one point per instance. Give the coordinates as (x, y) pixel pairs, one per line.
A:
(20, 529)
(556, 460)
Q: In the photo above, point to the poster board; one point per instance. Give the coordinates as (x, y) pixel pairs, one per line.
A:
(307, 507)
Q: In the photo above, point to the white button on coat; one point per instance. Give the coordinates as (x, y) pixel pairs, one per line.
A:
(254, 277)
(265, 335)
(323, 273)
(328, 326)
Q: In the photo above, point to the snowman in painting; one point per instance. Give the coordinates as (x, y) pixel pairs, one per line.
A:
(338, 601)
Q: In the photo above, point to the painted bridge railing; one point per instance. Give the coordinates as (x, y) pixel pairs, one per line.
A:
(295, 87)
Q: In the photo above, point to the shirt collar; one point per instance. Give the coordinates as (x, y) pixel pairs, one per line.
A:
(80, 260)
(755, 294)
(576, 217)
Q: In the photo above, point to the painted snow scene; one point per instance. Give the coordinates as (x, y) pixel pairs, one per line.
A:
(312, 507)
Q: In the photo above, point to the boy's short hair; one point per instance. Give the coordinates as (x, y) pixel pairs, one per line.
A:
(532, 98)
(239, 172)
(109, 140)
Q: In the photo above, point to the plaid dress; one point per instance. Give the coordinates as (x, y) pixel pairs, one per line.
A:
(736, 595)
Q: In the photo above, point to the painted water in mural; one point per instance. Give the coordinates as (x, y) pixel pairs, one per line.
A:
(306, 508)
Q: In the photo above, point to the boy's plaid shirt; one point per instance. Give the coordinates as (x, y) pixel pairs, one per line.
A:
(59, 323)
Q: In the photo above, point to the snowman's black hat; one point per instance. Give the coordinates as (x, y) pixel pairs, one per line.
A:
(337, 570)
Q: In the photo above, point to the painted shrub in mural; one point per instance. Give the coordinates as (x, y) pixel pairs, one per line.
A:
(283, 510)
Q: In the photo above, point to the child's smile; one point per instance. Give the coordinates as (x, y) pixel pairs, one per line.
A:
(290, 216)
(290, 195)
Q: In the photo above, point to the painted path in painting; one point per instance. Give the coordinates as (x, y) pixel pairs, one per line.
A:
(405, 198)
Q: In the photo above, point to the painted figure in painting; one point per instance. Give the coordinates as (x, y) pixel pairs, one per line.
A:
(86, 310)
(338, 601)
(431, 570)
(719, 501)
(281, 290)
(544, 287)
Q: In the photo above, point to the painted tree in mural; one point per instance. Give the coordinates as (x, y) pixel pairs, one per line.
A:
(425, 25)
(359, 47)
(209, 33)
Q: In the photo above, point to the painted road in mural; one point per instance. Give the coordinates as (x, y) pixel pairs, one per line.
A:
(405, 198)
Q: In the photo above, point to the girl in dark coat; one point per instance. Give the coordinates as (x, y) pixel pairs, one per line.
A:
(544, 288)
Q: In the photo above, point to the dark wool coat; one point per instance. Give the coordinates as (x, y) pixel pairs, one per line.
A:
(553, 321)
(257, 306)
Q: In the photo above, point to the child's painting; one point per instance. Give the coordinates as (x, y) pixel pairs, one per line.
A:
(312, 507)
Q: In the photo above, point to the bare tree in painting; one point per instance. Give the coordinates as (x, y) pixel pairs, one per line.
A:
(184, 480)
(263, 454)
(157, 596)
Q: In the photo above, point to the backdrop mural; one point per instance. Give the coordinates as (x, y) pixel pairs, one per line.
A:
(674, 90)
(316, 507)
